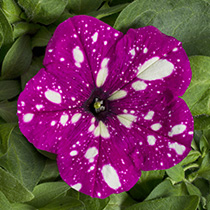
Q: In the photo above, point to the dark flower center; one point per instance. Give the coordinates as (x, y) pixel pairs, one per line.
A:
(97, 104)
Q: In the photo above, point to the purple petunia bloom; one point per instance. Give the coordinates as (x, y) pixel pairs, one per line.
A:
(108, 104)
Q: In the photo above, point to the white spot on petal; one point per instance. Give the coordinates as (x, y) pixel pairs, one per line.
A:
(76, 117)
(132, 52)
(91, 128)
(156, 126)
(91, 153)
(104, 130)
(39, 107)
(28, 117)
(151, 140)
(155, 68)
(126, 119)
(149, 115)
(53, 96)
(78, 56)
(103, 73)
(177, 147)
(77, 186)
(105, 42)
(95, 37)
(175, 49)
(62, 59)
(145, 50)
(177, 129)
(111, 177)
(52, 123)
(139, 85)
(190, 132)
(73, 153)
(117, 95)
(64, 118)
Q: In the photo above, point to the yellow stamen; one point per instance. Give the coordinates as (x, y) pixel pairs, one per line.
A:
(97, 105)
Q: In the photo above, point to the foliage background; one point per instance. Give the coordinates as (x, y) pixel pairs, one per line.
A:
(29, 178)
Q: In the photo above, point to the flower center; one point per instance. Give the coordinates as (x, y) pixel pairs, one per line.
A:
(97, 104)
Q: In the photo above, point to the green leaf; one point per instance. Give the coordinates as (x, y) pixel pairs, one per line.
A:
(11, 10)
(20, 206)
(203, 185)
(83, 6)
(6, 35)
(8, 111)
(187, 21)
(22, 28)
(12, 189)
(45, 12)
(115, 2)
(9, 89)
(5, 134)
(202, 122)
(173, 203)
(110, 20)
(45, 193)
(119, 201)
(35, 66)
(167, 189)
(204, 170)
(199, 86)
(147, 182)
(4, 202)
(108, 11)
(41, 38)
(204, 146)
(192, 189)
(50, 172)
(176, 173)
(23, 161)
(17, 59)
(191, 157)
(64, 203)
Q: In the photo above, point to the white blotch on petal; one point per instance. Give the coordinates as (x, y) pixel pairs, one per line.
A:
(155, 69)
(177, 129)
(149, 115)
(39, 107)
(104, 131)
(103, 73)
(28, 117)
(91, 153)
(53, 96)
(78, 56)
(132, 52)
(156, 126)
(117, 95)
(139, 85)
(105, 42)
(177, 147)
(126, 119)
(190, 132)
(76, 117)
(175, 49)
(95, 37)
(64, 118)
(77, 186)
(111, 177)
(73, 153)
(91, 128)
(145, 50)
(53, 123)
(151, 140)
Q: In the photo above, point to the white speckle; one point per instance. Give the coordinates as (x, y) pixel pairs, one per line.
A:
(91, 168)
(75, 36)
(116, 34)
(178, 60)
(177, 129)
(93, 120)
(91, 128)
(91, 153)
(76, 117)
(145, 50)
(103, 73)
(155, 69)
(95, 37)
(50, 50)
(39, 107)
(132, 111)
(161, 163)
(105, 42)
(53, 96)
(28, 117)
(99, 194)
(117, 95)
(126, 119)
(177, 147)
(175, 49)
(62, 59)
(151, 140)
(111, 177)
(139, 85)
(78, 56)
(190, 132)
(22, 103)
(156, 126)
(132, 52)
(64, 118)
(125, 111)
(169, 155)
(52, 123)
(149, 115)
(77, 186)
(73, 98)
(73, 153)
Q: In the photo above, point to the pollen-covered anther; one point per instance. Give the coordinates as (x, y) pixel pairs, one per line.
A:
(98, 105)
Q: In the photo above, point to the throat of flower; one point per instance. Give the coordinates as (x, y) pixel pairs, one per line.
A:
(98, 105)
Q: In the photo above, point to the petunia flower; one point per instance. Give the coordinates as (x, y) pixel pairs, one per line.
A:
(108, 104)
